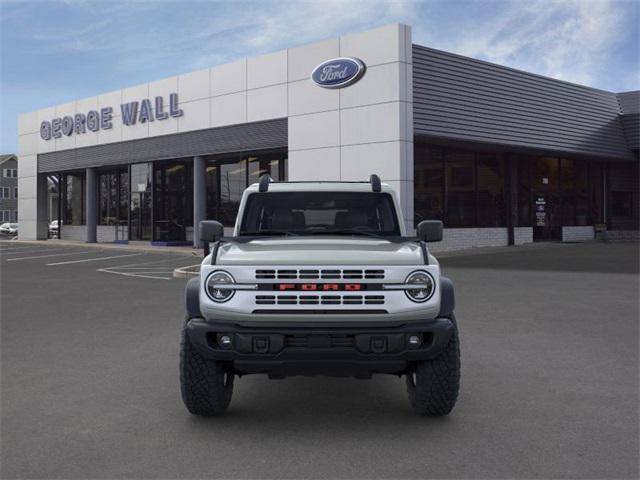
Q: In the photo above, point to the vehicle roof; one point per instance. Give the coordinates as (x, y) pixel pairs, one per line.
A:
(320, 187)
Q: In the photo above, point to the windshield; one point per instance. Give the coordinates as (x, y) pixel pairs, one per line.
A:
(320, 213)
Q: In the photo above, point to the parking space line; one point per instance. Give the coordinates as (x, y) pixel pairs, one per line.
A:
(51, 255)
(139, 275)
(92, 259)
(150, 270)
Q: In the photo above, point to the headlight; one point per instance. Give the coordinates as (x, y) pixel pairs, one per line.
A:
(218, 294)
(425, 286)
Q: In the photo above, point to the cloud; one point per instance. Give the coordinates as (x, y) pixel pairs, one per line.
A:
(57, 51)
(569, 40)
(263, 27)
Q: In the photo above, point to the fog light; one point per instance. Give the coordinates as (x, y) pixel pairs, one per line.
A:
(225, 340)
(414, 340)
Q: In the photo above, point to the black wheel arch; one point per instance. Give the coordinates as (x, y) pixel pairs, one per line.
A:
(192, 298)
(447, 297)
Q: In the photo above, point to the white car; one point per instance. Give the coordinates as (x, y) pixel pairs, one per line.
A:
(320, 278)
(9, 229)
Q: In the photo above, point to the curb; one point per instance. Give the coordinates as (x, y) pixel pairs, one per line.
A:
(187, 272)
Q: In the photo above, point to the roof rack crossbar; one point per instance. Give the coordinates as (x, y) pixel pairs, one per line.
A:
(375, 183)
(265, 180)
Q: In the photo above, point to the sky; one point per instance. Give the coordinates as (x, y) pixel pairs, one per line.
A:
(55, 51)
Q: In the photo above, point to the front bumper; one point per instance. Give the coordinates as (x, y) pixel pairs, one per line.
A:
(300, 349)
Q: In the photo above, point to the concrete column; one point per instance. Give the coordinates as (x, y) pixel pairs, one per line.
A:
(91, 205)
(42, 216)
(199, 197)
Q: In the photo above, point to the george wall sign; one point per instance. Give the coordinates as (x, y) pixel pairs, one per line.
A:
(338, 72)
(94, 120)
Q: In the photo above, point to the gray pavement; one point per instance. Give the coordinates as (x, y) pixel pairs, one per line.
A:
(89, 386)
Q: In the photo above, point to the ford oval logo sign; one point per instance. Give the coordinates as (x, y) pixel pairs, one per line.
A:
(338, 73)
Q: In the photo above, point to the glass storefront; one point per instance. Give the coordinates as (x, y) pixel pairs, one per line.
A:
(73, 200)
(461, 188)
(228, 176)
(464, 188)
(113, 197)
(172, 200)
(563, 192)
(623, 196)
(154, 201)
(141, 176)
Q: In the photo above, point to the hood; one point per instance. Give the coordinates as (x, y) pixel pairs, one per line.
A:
(320, 251)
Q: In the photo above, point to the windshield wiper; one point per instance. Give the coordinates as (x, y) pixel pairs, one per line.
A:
(269, 233)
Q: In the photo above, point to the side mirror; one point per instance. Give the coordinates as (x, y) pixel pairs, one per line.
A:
(430, 231)
(211, 231)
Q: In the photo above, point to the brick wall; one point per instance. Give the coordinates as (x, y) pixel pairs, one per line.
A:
(577, 234)
(107, 233)
(522, 235)
(615, 236)
(462, 238)
(74, 232)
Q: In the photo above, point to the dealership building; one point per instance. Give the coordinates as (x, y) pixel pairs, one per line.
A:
(501, 156)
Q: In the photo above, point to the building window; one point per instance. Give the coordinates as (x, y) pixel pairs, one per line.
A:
(491, 200)
(10, 173)
(463, 188)
(581, 187)
(429, 184)
(6, 215)
(523, 179)
(460, 189)
(5, 192)
(228, 176)
(622, 204)
(15, 192)
(113, 195)
(623, 201)
(15, 215)
(596, 192)
(173, 201)
(73, 192)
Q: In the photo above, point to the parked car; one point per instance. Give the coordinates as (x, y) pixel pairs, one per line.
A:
(320, 278)
(9, 229)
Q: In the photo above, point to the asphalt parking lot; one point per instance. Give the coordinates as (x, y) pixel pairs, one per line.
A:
(89, 386)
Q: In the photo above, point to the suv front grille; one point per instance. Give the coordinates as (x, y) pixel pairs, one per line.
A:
(315, 274)
(319, 299)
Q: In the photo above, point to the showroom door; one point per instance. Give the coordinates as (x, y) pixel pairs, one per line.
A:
(547, 225)
(140, 219)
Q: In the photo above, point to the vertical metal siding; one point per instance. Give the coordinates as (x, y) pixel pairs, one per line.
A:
(236, 138)
(456, 97)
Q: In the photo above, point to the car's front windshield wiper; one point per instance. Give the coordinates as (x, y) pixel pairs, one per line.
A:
(268, 233)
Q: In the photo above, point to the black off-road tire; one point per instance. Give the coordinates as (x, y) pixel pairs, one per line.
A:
(433, 385)
(206, 385)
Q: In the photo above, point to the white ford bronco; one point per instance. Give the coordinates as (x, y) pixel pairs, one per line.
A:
(319, 278)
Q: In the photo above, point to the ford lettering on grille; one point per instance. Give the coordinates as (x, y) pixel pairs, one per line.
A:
(320, 287)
